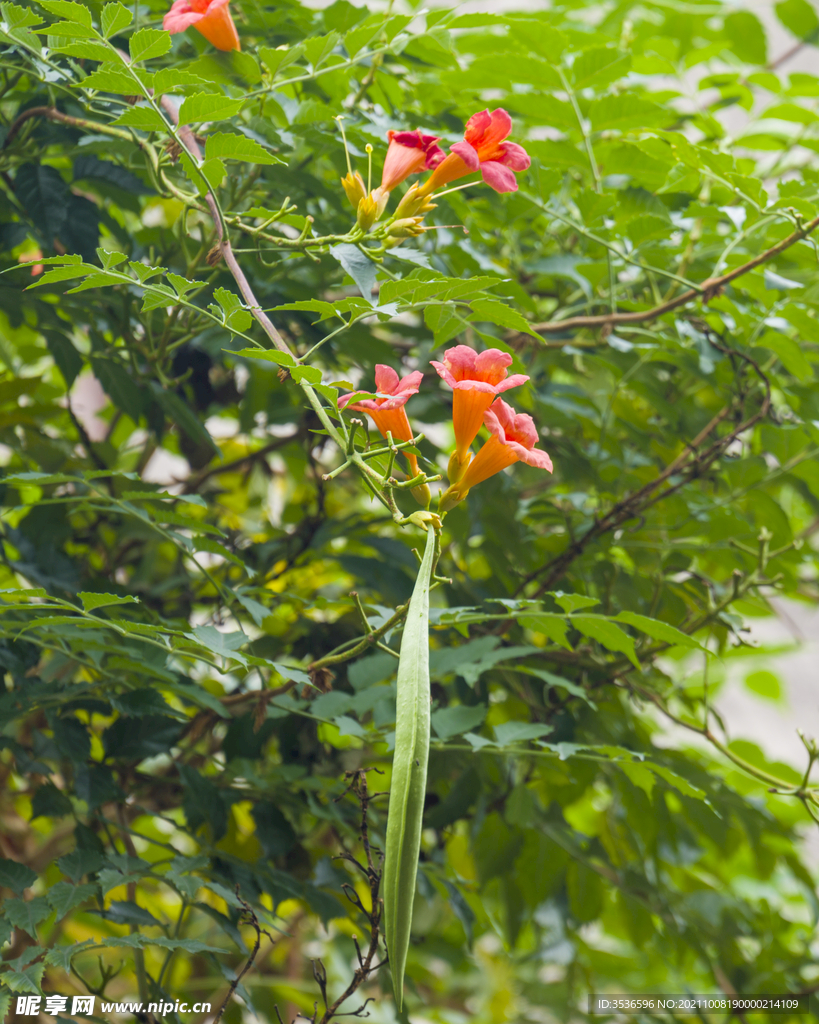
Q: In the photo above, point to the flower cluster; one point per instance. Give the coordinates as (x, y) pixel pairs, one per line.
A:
(484, 148)
(477, 380)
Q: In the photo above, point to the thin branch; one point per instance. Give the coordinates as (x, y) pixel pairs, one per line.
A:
(707, 290)
(252, 920)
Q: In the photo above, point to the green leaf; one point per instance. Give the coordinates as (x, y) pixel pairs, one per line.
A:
(765, 684)
(281, 57)
(657, 630)
(504, 316)
(146, 119)
(49, 802)
(111, 78)
(61, 956)
(746, 37)
(27, 914)
(68, 359)
(128, 912)
(789, 354)
(16, 876)
(114, 19)
(461, 718)
(627, 111)
(149, 42)
(90, 602)
(271, 355)
(606, 633)
(64, 897)
(554, 627)
(80, 862)
(519, 732)
(119, 385)
(572, 602)
(798, 17)
(228, 146)
(319, 48)
(208, 107)
(184, 417)
(27, 980)
(360, 267)
(69, 10)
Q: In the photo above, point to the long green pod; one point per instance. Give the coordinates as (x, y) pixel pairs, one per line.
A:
(409, 774)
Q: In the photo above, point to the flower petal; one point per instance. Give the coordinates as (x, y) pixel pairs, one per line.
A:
(498, 177)
(386, 379)
(515, 157)
(490, 365)
(476, 126)
(411, 384)
(180, 17)
(467, 153)
(514, 381)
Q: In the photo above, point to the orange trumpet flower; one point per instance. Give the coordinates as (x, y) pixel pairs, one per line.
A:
(477, 378)
(210, 17)
(484, 147)
(513, 439)
(388, 413)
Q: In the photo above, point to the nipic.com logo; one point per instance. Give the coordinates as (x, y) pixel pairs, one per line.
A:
(31, 1006)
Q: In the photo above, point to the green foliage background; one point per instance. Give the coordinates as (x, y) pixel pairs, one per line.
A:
(162, 738)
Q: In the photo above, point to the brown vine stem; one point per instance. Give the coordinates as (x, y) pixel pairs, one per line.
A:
(52, 114)
(707, 290)
(252, 920)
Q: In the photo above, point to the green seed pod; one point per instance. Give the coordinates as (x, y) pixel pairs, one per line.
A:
(409, 775)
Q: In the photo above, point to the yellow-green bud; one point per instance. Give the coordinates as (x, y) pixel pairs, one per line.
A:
(414, 203)
(353, 185)
(367, 213)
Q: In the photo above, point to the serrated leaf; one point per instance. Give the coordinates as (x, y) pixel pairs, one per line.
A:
(27, 914)
(504, 316)
(69, 10)
(16, 876)
(61, 956)
(149, 42)
(657, 630)
(64, 897)
(267, 356)
(519, 732)
(281, 57)
(146, 119)
(27, 980)
(92, 601)
(110, 78)
(114, 19)
(607, 634)
(229, 146)
(208, 107)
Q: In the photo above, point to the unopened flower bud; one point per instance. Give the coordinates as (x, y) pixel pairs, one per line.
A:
(414, 202)
(367, 213)
(422, 495)
(407, 227)
(450, 498)
(381, 197)
(423, 519)
(353, 185)
(457, 466)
